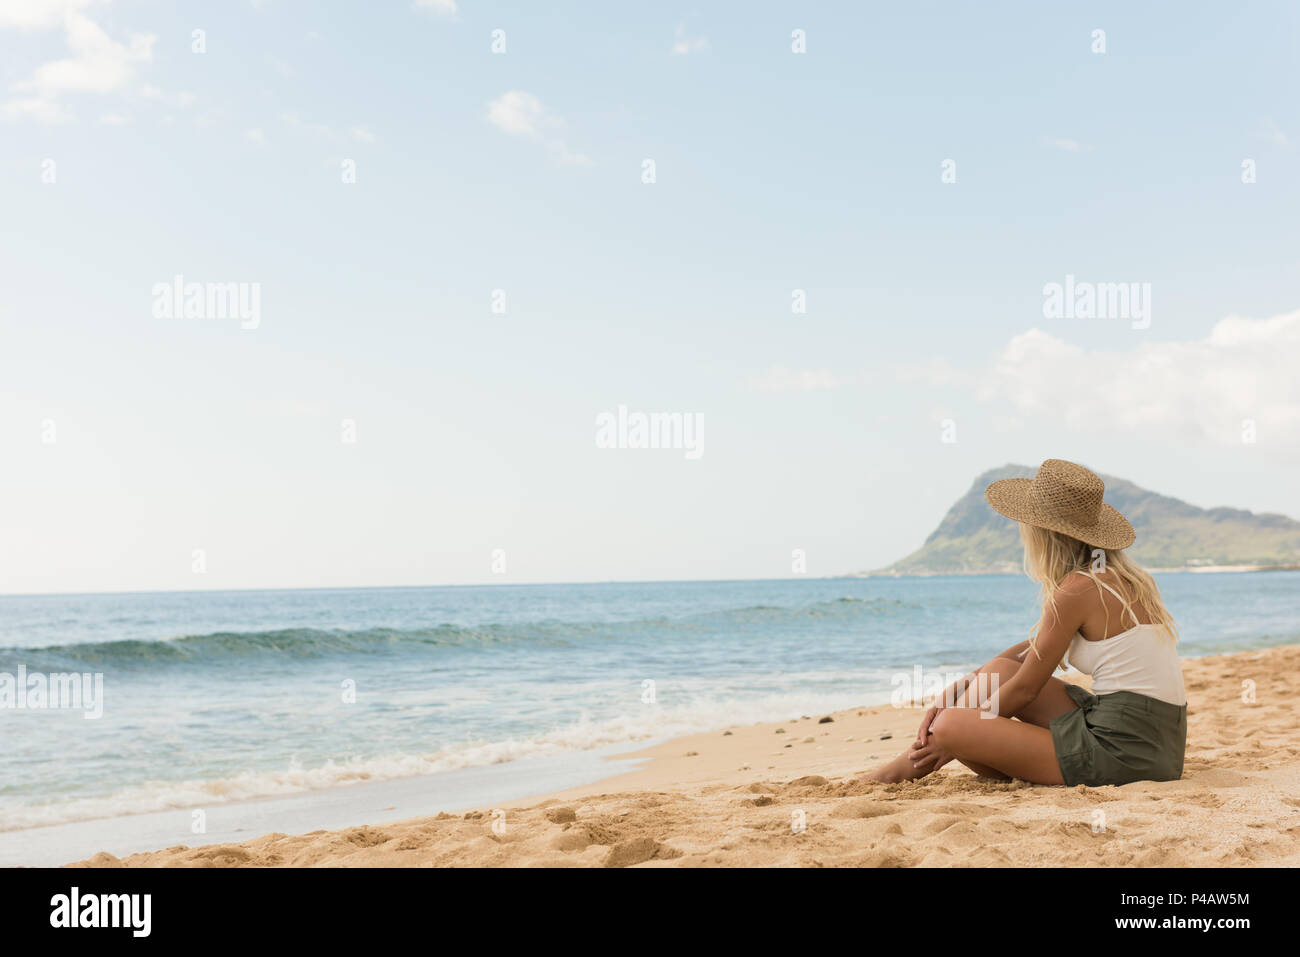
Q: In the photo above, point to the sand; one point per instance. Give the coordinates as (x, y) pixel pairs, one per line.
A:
(787, 795)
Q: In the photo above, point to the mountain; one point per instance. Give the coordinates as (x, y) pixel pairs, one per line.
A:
(973, 538)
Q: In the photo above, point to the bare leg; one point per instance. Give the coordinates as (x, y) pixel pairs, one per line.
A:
(903, 768)
(1002, 746)
(921, 758)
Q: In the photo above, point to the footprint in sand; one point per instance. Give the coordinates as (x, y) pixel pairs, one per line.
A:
(1218, 778)
(862, 807)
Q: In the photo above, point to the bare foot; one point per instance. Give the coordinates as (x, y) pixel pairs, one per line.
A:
(929, 757)
(910, 765)
(899, 769)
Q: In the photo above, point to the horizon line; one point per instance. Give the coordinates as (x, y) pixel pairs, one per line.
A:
(612, 581)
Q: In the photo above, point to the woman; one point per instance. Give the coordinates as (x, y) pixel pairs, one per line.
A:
(1103, 612)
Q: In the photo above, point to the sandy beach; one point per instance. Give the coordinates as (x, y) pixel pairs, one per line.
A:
(787, 795)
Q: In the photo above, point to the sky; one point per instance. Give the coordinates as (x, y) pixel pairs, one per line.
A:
(824, 234)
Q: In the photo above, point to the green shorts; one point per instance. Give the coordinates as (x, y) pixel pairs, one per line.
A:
(1119, 737)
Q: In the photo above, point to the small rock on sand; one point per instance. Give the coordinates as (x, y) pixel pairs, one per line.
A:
(638, 849)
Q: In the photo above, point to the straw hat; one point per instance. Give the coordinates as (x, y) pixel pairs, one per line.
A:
(1063, 497)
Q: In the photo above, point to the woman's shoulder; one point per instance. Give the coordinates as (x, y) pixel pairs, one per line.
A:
(1077, 584)
(1075, 598)
(1086, 591)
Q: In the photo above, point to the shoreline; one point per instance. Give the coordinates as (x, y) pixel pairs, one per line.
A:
(736, 797)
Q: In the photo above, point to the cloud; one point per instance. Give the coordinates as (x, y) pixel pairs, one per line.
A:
(1201, 391)
(684, 44)
(296, 122)
(563, 156)
(181, 100)
(1064, 145)
(781, 379)
(1275, 133)
(38, 14)
(521, 114)
(357, 134)
(43, 111)
(97, 63)
(444, 8)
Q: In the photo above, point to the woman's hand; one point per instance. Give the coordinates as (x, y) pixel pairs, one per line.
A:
(929, 758)
(923, 734)
(926, 755)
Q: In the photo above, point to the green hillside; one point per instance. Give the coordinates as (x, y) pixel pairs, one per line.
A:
(1170, 533)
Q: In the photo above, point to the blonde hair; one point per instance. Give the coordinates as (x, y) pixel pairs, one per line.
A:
(1050, 557)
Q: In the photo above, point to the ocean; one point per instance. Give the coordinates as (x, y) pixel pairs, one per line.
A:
(295, 709)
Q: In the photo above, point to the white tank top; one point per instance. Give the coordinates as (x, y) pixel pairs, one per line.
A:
(1143, 660)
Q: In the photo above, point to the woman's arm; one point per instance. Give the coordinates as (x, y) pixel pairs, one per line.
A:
(1015, 651)
(953, 693)
(1055, 632)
